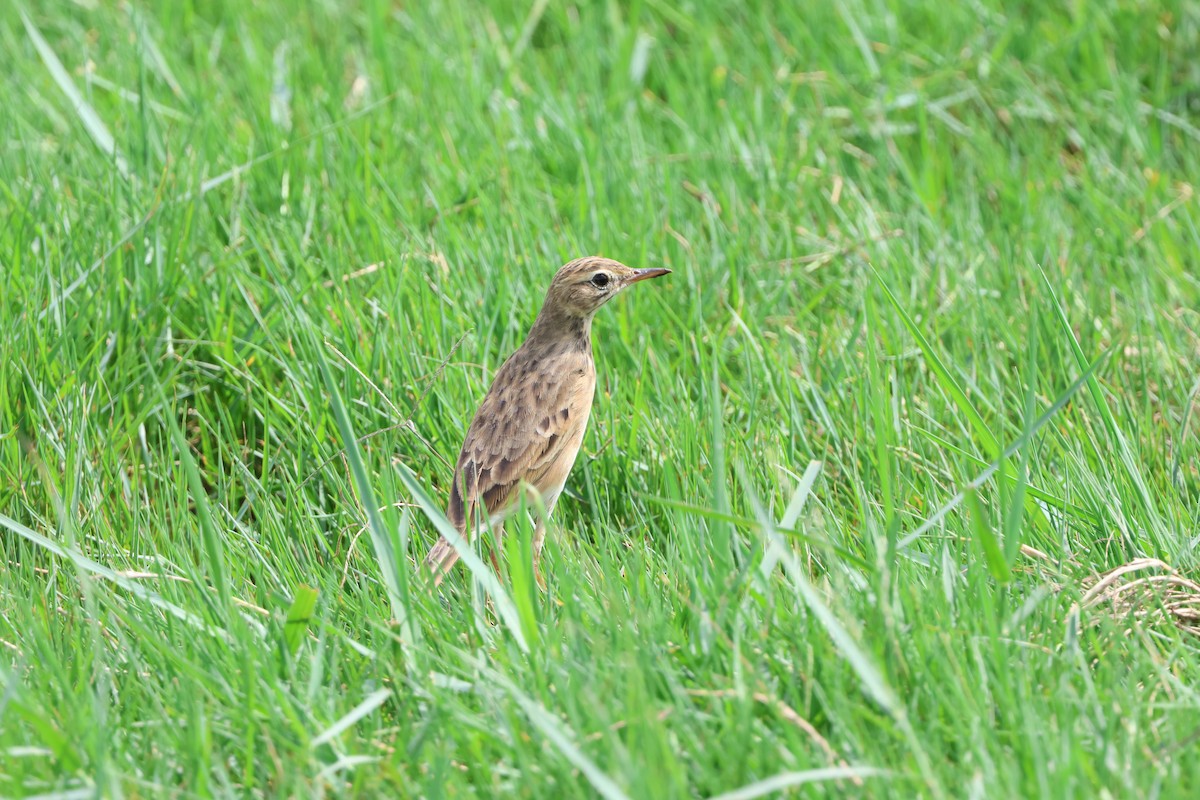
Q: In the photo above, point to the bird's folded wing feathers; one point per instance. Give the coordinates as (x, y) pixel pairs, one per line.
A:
(520, 432)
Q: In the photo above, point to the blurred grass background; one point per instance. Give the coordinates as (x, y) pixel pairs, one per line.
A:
(909, 241)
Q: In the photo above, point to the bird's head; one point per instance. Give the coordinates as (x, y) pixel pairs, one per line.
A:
(581, 286)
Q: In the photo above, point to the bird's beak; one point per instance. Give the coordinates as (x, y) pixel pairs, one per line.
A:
(643, 274)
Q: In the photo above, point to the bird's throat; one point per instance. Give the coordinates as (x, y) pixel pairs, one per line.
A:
(562, 332)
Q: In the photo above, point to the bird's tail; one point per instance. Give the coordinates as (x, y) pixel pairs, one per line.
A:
(441, 558)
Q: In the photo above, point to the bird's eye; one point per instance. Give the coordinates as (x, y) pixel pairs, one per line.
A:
(600, 280)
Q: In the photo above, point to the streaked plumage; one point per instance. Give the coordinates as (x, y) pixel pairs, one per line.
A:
(531, 422)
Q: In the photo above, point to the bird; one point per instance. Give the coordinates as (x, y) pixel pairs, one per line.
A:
(530, 424)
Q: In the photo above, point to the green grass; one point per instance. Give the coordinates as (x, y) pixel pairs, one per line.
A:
(917, 243)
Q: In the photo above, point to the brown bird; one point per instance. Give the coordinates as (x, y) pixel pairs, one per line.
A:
(532, 420)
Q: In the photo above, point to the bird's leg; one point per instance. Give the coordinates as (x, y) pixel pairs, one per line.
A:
(539, 540)
(497, 544)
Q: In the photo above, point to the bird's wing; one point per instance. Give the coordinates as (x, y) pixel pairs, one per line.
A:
(530, 422)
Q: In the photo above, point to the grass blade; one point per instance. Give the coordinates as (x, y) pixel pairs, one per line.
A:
(877, 398)
(786, 780)
(395, 580)
(749, 524)
(872, 678)
(1014, 508)
(991, 445)
(1117, 437)
(373, 701)
(944, 378)
(214, 547)
(803, 489)
(1022, 440)
(1054, 501)
(88, 565)
(792, 514)
(87, 115)
(505, 608)
(553, 730)
(986, 538)
(298, 617)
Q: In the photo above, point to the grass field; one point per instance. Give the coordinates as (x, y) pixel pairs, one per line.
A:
(927, 367)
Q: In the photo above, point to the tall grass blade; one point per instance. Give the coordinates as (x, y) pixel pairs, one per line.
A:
(395, 579)
(950, 386)
(786, 780)
(1116, 436)
(792, 514)
(505, 608)
(746, 523)
(214, 547)
(803, 489)
(87, 115)
(556, 733)
(985, 537)
(1025, 438)
(1076, 512)
(372, 701)
(88, 565)
(1014, 514)
(872, 678)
